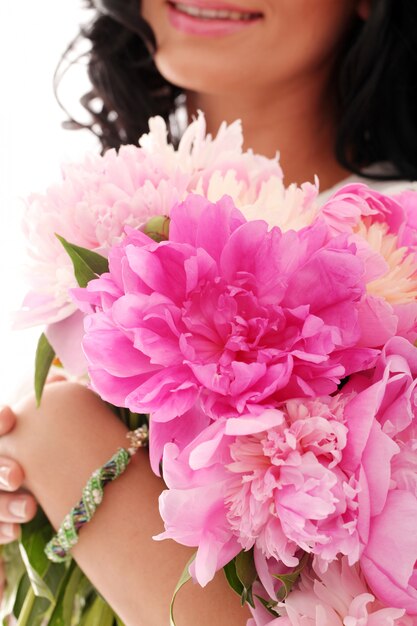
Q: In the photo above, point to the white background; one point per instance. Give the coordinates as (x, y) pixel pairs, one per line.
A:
(33, 36)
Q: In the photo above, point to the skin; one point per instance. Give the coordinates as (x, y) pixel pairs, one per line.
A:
(75, 434)
(282, 65)
(41, 450)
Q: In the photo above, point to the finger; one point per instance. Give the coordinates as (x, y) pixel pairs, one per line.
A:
(11, 474)
(9, 533)
(17, 508)
(7, 420)
(56, 378)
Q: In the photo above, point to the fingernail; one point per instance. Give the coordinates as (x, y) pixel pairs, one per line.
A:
(18, 508)
(4, 476)
(8, 530)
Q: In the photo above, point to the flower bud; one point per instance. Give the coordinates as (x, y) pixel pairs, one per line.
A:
(157, 228)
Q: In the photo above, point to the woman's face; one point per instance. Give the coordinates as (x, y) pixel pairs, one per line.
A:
(220, 46)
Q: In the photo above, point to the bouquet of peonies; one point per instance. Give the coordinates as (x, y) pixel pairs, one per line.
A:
(269, 339)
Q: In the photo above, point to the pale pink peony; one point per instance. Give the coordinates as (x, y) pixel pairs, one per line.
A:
(404, 464)
(398, 282)
(383, 228)
(396, 368)
(289, 492)
(338, 597)
(100, 196)
(389, 558)
(388, 499)
(194, 509)
(223, 314)
(355, 203)
(408, 201)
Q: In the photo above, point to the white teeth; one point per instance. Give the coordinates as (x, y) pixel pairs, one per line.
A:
(212, 14)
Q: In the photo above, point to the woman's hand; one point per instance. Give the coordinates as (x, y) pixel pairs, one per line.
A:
(58, 445)
(16, 505)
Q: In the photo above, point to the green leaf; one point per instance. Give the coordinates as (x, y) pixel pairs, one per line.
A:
(131, 420)
(38, 584)
(135, 420)
(22, 591)
(269, 605)
(247, 596)
(39, 523)
(26, 608)
(56, 575)
(288, 580)
(35, 611)
(84, 599)
(245, 568)
(246, 573)
(185, 577)
(86, 589)
(44, 357)
(87, 264)
(32, 549)
(232, 577)
(99, 614)
(65, 607)
(15, 571)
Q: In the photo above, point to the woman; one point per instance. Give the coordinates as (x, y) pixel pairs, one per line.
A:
(305, 77)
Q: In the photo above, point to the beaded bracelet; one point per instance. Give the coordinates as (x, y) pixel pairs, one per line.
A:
(57, 550)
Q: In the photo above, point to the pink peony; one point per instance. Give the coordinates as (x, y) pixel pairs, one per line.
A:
(224, 314)
(283, 479)
(338, 597)
(332, 475)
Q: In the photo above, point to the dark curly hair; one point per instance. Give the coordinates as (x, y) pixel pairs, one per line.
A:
(376, 77)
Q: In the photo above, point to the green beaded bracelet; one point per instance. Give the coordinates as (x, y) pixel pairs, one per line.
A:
(57, 550)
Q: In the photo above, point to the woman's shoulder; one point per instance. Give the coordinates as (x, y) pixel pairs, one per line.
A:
(371, 177)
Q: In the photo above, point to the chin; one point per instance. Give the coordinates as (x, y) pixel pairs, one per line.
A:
(206, 74)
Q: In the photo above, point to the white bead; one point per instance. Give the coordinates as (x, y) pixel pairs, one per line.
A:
(97, 496)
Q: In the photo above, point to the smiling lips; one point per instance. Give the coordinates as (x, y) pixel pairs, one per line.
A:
(201, 18)
(211, 13)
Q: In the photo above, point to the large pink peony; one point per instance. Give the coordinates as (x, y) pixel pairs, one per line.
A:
(278, 482)
(332, 475)
(225, 313)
